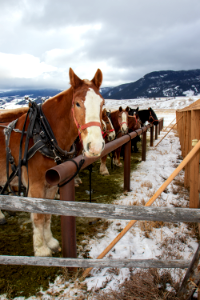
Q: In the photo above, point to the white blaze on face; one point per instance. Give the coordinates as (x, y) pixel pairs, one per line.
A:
(94, 139)
(104, 125)
(111, 134)
(124, 126)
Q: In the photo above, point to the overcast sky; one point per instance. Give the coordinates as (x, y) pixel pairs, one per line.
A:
(41, 39)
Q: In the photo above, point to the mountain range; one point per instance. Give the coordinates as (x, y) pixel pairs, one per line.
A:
(158, 84)
(153, 85)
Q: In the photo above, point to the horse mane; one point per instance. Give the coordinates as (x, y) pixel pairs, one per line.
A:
(8, 115)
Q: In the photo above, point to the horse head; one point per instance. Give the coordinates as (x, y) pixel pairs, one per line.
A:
(119, 119)
(152, 116)
(109, 131)
(123, 119)
(87, 112)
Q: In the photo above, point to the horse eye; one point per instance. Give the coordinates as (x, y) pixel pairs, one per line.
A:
(107, 123)
(77, 104)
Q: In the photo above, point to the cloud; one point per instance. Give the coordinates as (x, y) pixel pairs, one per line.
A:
(126, 39)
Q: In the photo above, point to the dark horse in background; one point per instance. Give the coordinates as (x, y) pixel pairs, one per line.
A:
(144, 116)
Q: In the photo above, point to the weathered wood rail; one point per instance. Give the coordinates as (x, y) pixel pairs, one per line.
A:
(94, 210)
(94, 263)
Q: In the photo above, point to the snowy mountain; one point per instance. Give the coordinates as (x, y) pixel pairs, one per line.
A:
(158, 84)
(162, 84)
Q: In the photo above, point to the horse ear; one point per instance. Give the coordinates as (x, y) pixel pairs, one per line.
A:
(127, 109)
(137, 108)
(120, 108)
(75, 81)
(104, 113)
(98, 78)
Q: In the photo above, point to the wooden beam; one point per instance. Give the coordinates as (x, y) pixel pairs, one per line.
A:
(194, 163)
(95, 263)
(95, 210)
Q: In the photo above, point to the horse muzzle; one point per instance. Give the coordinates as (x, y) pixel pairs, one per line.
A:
(94, 149)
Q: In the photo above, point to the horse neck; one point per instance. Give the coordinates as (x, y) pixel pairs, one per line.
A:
(114, 120)
(59, 115)
(143, 115)
(131, 122)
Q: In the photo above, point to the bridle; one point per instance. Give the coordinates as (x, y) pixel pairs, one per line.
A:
(151, 117)
(106, 132)
(121, 123)
(85, 126)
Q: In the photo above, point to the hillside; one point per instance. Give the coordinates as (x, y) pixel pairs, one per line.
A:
(158, 84)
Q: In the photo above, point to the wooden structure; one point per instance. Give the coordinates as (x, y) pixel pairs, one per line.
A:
(188, 127)
(66, 170)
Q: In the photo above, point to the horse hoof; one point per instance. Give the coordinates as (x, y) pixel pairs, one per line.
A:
(105, 173)
(43, 251)
(119, 164)
(3, 221)
(53, 244)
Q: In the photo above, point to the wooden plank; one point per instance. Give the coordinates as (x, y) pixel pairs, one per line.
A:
(95, 210)
(194, 163)
(95, 263)
(187, 149)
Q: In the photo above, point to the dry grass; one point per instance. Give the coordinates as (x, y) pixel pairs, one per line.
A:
(147, 226)
(145, 285)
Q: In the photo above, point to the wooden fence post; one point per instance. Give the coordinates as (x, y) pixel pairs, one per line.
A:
(188, 147)
(194, 163)
(151, 136)
(127, 166)
(156, 132)
(68, 223)
(144, 138)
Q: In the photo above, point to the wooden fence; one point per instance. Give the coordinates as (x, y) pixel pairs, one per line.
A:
(73, 209)
(188, 127)
(108, 211)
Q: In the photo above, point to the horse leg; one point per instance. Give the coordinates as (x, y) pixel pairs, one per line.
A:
(116, 158)
(43, 241)
(39, 245)
(2, 218)
(51, 242)
(103, 168)
(77, 180)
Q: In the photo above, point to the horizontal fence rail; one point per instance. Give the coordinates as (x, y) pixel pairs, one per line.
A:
(94, 210)
(85, 263)
(64, 171)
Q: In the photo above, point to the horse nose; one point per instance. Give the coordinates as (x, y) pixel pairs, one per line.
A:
(93, 150)
(88, 146)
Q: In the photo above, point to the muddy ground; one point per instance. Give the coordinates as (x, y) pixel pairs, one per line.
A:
(16, 235)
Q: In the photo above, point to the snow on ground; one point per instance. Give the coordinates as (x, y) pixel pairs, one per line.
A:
(145, 240)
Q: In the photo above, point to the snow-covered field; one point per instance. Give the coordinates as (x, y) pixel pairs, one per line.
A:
(145, 239)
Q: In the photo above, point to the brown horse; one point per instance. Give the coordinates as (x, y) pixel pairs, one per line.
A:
(76, 111)
(109, 135)
(119, 119)
(133, 124)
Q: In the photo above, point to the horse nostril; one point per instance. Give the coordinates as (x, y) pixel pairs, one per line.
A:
(88, 146)
(103, 145)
